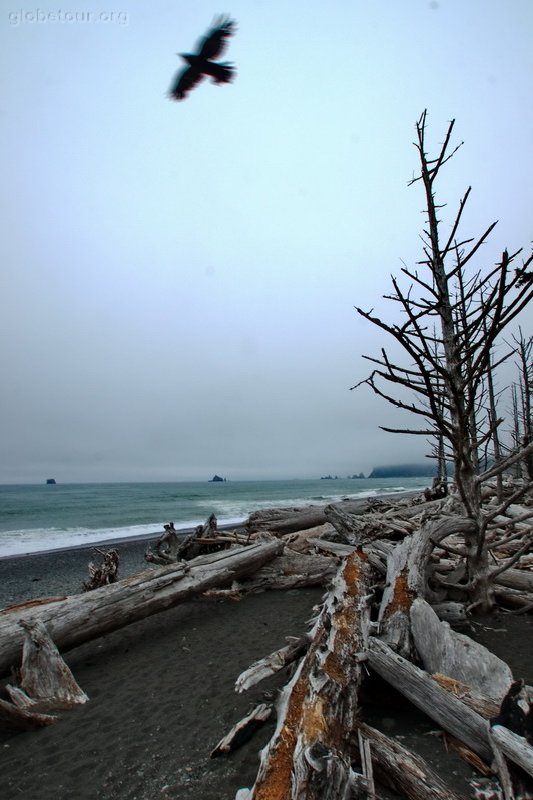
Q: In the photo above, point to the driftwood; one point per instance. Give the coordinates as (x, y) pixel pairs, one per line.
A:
(22, 719)
(447, 710)
(486, 707)
(271, 664)
(243, 730)
(309, 754)
(81, 618)
(427, 695)
(408, 574)
(446, 651)
(171, 548)
(45, 679)
(104, 573)
(286, 520)
(291, 570)
(514, 747)
(410, 557)
(410, 774)
(421, 551)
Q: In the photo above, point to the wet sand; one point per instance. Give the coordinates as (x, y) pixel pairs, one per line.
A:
(161, 693)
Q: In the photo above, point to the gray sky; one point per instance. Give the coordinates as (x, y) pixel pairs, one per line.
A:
(179, 278)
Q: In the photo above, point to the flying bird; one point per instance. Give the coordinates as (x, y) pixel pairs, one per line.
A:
(201, 64)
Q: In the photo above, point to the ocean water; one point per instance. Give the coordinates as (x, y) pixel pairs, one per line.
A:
(47, 517)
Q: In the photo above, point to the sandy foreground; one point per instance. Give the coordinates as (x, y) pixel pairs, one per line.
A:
(162, 693)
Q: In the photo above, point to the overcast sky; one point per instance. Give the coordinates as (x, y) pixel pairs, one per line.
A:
(179, 279)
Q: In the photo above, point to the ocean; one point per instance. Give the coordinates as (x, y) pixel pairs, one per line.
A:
(47, 517)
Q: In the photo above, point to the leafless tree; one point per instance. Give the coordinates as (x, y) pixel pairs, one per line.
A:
(447, 371)
(524, 406)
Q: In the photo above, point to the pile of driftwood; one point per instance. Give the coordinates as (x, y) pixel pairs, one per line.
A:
(392, 572)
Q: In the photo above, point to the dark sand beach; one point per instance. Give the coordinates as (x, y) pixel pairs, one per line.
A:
(161, 693)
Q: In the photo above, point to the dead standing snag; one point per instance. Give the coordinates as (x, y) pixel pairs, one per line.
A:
(447, 371)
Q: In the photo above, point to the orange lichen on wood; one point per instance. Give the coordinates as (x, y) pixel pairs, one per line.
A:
(344, 621)
(402, 597)
(313, 715)
(276, 782)
(314, 723)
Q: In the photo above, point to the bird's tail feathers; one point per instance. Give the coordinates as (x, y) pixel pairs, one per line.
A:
(221, 73)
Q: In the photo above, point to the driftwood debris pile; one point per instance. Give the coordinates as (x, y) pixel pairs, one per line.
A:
(394, 578)
(394, 572)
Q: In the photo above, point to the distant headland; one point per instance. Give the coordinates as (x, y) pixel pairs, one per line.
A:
(217, 479)
(404, 471)
(51, 481)
(392, 471)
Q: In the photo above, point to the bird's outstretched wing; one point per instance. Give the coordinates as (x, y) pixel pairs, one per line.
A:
(221, 73)
(184, 81)
(215, 41)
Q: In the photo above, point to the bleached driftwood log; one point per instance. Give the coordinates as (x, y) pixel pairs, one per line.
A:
(271, 664)
(361, 528)
(446, 651)
(514, 747)
(408, 574)
(448, 711)
(427, 695)
(410, 774)
(280, 521)
(291, 570)
(80, 618)
(22, 719)
(309, 755)
(243, 730)
(44, 677)
(519, 579)
(520, 602)
(486, 707)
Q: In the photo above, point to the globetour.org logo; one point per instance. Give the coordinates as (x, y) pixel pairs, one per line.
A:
(39, 17)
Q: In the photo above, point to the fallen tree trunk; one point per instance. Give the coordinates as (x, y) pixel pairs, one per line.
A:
(519, 601)
(408, 574)
(447, 710)
(309, 757)
(291, 570)
(443, 650)
(514, 747)
(519, 579)
(80, 618)
(427, 695)
(280, 521)
(410, 774)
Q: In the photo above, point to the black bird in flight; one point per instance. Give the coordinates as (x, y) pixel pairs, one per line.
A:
(201, 64)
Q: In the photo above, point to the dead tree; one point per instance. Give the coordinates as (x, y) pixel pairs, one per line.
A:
(524, 417)
(471, 313)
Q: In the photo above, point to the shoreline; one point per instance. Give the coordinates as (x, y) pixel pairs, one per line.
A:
(161, 691)
(148, 537)
(61, 572)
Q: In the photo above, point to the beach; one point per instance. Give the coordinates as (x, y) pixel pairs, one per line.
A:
(162, 692)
